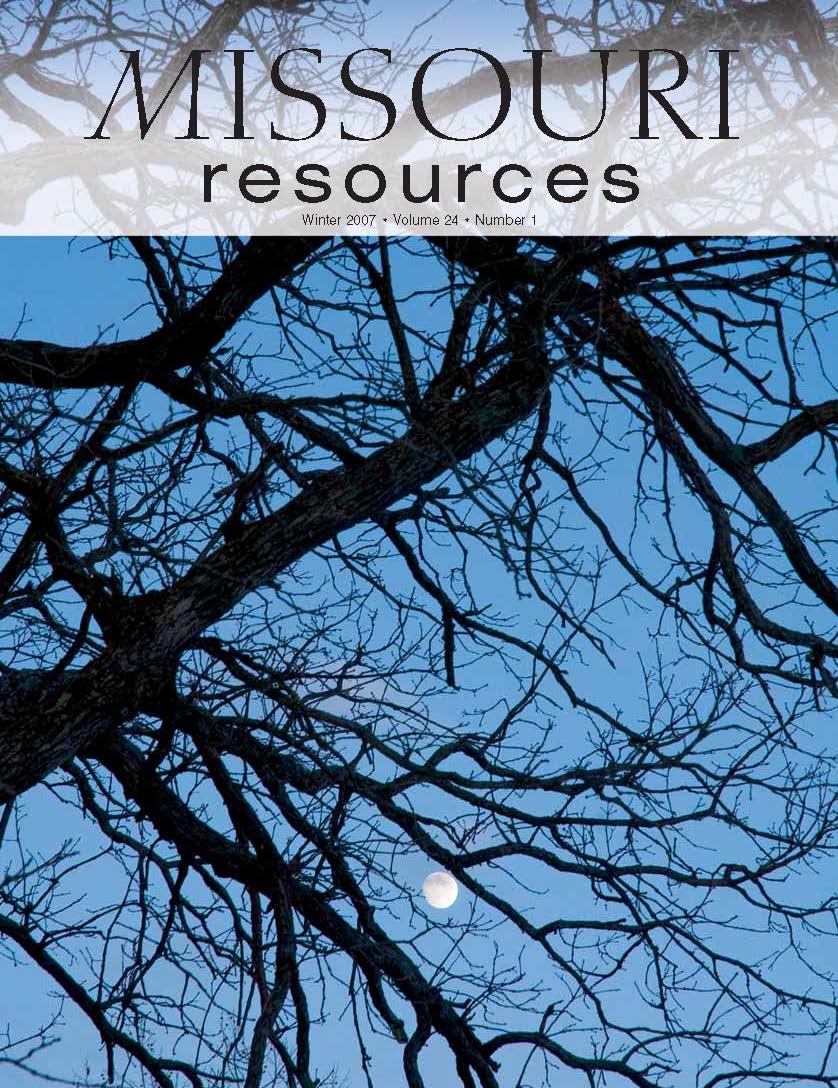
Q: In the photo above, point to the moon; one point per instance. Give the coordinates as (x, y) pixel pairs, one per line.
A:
(440, 890)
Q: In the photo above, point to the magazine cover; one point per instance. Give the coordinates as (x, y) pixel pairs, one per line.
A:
(418, 544)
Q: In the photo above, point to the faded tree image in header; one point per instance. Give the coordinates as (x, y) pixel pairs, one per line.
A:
(289, 118)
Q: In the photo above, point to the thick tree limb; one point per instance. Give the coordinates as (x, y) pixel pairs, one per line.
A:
(185, 341)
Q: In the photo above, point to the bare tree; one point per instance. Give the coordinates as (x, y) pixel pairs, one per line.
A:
(259, 566)
(513, 558)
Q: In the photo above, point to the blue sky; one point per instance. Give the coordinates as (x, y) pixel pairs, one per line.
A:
(71, 294)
